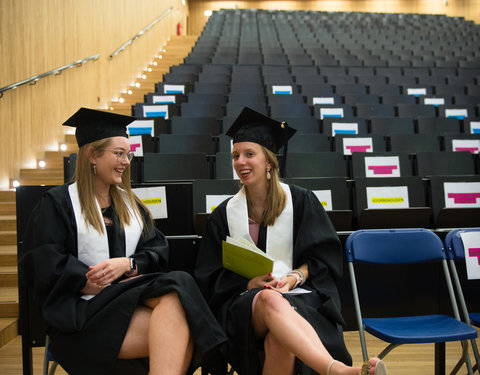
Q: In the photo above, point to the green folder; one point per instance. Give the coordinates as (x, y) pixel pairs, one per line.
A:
(245, 261)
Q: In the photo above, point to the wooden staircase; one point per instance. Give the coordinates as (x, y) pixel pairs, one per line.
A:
(52, 174)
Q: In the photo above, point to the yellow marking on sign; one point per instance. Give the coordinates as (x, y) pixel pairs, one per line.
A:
(149, 201)
(388, 200)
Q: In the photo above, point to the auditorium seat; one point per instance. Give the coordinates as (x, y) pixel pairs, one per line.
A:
(301, 142)
(346, 125)
(164, 167)
(391, 202)
(195, 125)
(381, 164)
(392, 125)
(306, 124)
(462, 142)
(368, 110)
(455, 201)
(349, 143)
(186, 143)
(416, 110)
(317, 164)
(413, 143)
(444, 163)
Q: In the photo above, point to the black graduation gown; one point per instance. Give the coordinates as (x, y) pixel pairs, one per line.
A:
(86, 336)
(316, 243)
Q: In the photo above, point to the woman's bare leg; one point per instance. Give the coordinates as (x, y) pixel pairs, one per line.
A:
(160, 331)
(275, 316)
(278, 360)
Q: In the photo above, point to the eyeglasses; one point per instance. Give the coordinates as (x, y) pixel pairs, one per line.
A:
(121, 155)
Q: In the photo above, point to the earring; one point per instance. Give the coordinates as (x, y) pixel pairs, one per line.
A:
(269, 176)
(94, 168)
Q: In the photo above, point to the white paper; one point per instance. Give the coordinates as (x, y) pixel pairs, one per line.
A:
(460, 113)
(212, 201)
(417, 91)
(331, 112)
(470, 145)
(323, 100)
(141, 126)
(285, 90)
(351, 145)
(136, 145)
(155, 199)
(434, 101)
(325, 198)
(471, 245)
(174, 89)
(155, 110)
(344, 128)
(387, 197)
(461, 194)
(297, 291)
(163, 99)
(475, 127)
(382, 166)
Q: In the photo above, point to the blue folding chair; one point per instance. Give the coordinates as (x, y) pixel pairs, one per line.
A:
(456, 251)
(382, 247)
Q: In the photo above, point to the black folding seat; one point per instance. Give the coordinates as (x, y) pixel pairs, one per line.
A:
(381, 89)
(471, 125)
(295, 109)
(233, 109)
(350, 88)
(339, 79)
(444, 163)
(413, 143)
(195, 125)
(305, 124)
(211, 87)
(415, 110)
(388, 71)
(363, 71)
(278, 79)
(381, 164)
(246, 96)
(437, 125)
(309, 79)
(300, 70)
(329, 71)
(392, 125)
(207, 98)
(217, 69)
(334, 194)
(368, 111)
(214, 77)
(185, 68)
(325, 61)
(399, 79)
(373, 194)
(247, 87)
(143, 110)
(179, 78)
(354, 99)
(432, 80)
(394, 99)
(458, 111)
(186, 143)
(322, 111)
(417, 90)
(453, 201)
(436, 100)
(416, 72)
(346, 125)
(462, 81)
(369, 80)
(349, 144)
(187, 166)
(316, 164)
(466, 100)
(316, 89)
(462, 142)
(444, 89)
(314, 142)
(202, 110)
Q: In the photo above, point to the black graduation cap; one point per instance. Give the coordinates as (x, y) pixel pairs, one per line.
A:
(252, 126)
(93, 125)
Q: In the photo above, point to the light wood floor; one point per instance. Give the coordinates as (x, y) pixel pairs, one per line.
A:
(409, 359)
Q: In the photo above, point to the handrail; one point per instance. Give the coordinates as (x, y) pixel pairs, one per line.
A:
(33, 80)
(113, 54)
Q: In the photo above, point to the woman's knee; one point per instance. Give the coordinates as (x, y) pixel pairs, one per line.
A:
(271, 300)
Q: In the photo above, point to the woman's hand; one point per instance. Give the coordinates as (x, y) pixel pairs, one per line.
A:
(286, 283)
(106, 272)
(92, 288)
(263, 281)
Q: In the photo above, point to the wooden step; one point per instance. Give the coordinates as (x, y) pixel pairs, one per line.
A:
(8, 302)
(8, 222)
(41, 181)
(55, 155)
(7, 196)
(8, 255)
(8, 330)
(8, 208)
(40, 173)
(8, 276)
(8, 237)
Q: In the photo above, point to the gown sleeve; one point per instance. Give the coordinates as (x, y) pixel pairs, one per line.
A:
(49, 264)
(216, 283)
(317, 244)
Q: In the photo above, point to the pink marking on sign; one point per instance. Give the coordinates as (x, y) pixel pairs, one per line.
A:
(459, 198)
(472, 150)
(382, 169)
(134, 146)
(474, 252)
(358, 148)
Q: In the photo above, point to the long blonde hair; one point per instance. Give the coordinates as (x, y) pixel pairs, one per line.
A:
(84, 176)
(276, 197)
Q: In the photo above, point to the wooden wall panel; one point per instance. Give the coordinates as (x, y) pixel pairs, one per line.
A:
(470, 9)
(37, 36)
